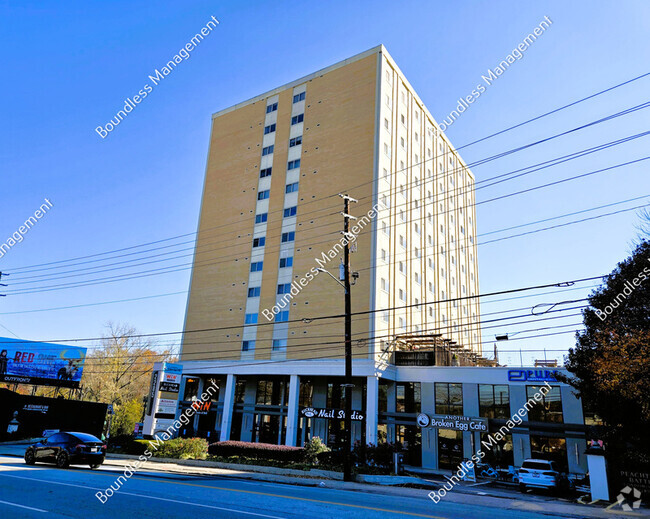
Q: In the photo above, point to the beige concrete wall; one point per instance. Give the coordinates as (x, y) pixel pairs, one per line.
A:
(337, 153)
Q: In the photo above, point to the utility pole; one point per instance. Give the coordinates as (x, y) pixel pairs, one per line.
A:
(347, 458)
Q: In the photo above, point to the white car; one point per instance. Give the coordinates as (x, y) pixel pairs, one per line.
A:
(541, 474)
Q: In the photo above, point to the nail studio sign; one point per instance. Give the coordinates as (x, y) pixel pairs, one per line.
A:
(313, 412)
(532, 375)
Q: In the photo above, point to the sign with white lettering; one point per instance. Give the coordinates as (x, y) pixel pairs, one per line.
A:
(532, 375)
(338, 414)
(455, 423)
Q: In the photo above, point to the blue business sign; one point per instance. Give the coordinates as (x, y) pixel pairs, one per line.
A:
(532, 375)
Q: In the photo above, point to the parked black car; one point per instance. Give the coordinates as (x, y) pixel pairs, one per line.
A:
(68, 448)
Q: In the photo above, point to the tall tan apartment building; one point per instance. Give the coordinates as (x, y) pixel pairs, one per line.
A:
(270, 209)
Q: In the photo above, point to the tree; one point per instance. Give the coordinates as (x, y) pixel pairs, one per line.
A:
(611, 361)
(119, 372)
(125, 417)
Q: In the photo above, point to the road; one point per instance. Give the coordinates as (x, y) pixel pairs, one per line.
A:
(45, 491)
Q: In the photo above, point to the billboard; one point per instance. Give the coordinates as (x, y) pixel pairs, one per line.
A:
(40, 363)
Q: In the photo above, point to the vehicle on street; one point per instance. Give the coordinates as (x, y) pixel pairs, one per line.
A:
(67, 448)
(542, 474)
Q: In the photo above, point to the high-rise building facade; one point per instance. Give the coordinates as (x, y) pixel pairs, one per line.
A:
(267, 325)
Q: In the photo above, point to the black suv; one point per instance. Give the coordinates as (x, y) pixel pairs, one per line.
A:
(68, 448)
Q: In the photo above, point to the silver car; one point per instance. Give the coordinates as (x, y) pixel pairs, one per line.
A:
(541, 474)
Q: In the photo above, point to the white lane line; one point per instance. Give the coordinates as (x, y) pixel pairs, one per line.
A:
(22, 506)
(143, 496)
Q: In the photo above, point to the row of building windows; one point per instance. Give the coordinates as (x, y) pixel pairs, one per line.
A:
(257, 266)
(494, 401)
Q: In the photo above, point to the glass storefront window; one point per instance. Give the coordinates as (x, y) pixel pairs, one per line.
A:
(494, 401)
(191, 388)
(500, 454)
(549, 409)
(450, 449)
(272, 392)
(410, 436)
(306, 393)
(407, 397)
(449, 398)
(240, 390)
(551, 449)
(383, 397)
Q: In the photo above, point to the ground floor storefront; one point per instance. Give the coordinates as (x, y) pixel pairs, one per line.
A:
(440, 415)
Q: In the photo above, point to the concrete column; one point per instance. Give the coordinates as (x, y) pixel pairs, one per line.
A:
(372, 409)
(429, 434)
(470, 408)
(228, 403)
(292, 411)
(521, 448)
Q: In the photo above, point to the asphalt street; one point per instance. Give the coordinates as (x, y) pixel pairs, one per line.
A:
(44, 490)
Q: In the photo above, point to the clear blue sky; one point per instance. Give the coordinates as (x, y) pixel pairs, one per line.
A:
(68, 66)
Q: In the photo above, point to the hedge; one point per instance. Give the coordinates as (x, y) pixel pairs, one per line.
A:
(261, 451)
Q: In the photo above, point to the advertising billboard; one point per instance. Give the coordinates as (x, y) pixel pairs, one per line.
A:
(40, 363)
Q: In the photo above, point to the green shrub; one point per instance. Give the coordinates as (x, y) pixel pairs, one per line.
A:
(257, 451)
(181, 448)
(313, 448)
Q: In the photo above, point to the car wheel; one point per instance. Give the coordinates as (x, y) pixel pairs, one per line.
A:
(30, 458)
(95, 465)
(63, 460)
(522, 487)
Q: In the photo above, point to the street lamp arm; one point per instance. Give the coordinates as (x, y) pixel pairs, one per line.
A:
(330, 275)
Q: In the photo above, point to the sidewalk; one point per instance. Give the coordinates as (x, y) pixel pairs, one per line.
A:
(398, 486)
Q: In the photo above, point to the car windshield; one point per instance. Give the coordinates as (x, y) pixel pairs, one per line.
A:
(536, 465)
(86, 437)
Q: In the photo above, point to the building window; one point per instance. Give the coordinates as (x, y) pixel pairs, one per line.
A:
(271, 108)
(288, 236)
(290, 211)
(263, 195)
(259, 242)
(286, 262)
(493, 401)
(279, 344)
(266, 172)
(552, 449)
(299, 97)
(284, 288)
(383, 284)
(384, 227)
(251, 319)
(261, 218)
(500, 453)
(291, 188)
(387, 150)
(269, 129)
(549, 409)
(306, 394)
(254, 292)
(282, 317)
(295, 141)
(407, 397)
(401, 267)
(297, 119)
(401, 295)
(256, 266)
(401, 141)
(267, 151)
(293, 164)
(449, 398)
(247, 345)
(383, 255)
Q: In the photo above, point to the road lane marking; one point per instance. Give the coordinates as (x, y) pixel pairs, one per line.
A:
(334, 503)
(140, 496)
(23, 506)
